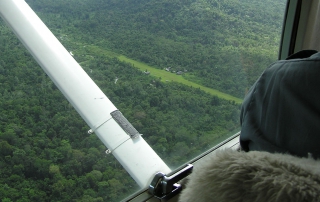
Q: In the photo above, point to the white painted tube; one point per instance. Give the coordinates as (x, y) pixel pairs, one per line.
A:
(134, 154)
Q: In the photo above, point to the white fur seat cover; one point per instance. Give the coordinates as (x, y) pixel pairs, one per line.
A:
(232, 176)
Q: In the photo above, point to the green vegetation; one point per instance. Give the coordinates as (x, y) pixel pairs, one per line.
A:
(167, 76)
(156, 72)
(45, 151)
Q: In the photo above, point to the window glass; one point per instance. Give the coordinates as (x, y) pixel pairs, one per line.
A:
(177, 70)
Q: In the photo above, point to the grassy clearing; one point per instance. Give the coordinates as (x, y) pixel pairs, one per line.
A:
(159, 73)
(167, 76)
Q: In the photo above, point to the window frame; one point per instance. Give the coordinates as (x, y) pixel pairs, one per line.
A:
(231, 142)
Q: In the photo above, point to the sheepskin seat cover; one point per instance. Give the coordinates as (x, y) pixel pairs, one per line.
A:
(232, 176)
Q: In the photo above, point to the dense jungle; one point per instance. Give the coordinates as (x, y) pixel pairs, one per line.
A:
(46, 153)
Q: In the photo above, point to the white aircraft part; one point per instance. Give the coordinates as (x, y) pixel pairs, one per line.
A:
(134, 154)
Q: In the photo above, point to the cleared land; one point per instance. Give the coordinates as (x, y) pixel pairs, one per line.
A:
(160, 73)
(168, 76)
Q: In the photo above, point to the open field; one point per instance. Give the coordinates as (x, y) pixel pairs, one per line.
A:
(168, 76)
(160, 73)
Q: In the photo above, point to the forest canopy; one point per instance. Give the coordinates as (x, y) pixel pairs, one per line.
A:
(46, 153)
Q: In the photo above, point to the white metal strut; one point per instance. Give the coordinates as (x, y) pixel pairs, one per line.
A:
(134, 154)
